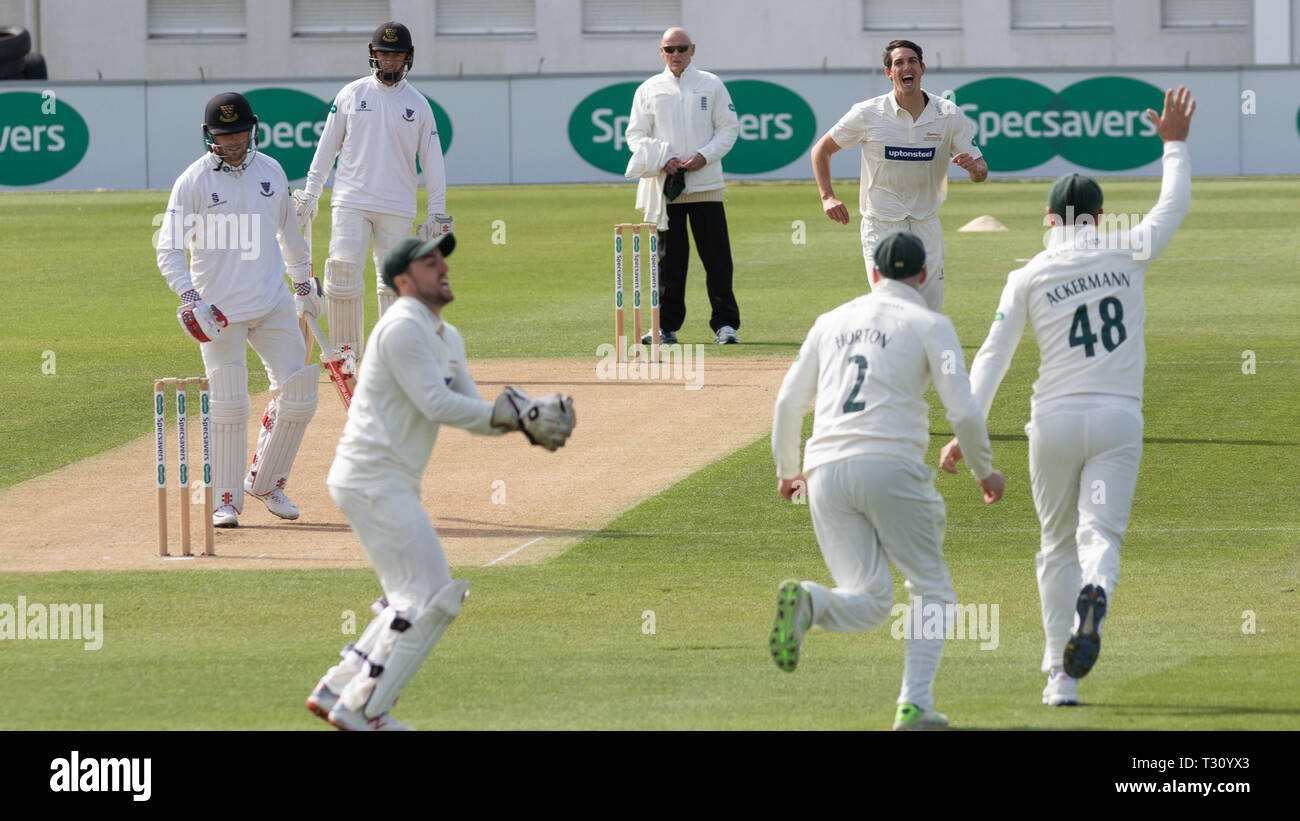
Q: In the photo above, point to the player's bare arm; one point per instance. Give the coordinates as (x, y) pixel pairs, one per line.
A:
(788, 487)
(975, 166)
(1174, 123)
(821, 163)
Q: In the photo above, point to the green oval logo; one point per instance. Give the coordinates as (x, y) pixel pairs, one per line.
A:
(1010, 123)
(776, 127)
(1097, 123)
(597, 124)
(41, 138)
(1103, 125)
(289, 124)
(443, 122)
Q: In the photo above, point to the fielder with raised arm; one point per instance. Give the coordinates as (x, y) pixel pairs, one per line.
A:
(413, 381)
(376, 128)
(1083, 296)
(908, 137)
(232, 211)
(873, 500)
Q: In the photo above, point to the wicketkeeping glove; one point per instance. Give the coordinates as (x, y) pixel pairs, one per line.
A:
(547, 421)
(307, 205)
(307, 298)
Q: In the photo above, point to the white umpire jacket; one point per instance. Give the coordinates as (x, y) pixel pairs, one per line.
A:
(693, 114)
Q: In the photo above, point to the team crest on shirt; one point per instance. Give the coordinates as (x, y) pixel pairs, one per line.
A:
(704, 103)
(410, 115)
(266, 190)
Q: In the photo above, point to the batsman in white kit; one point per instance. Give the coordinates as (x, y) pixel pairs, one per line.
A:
(1084, 298)
(413, 381)
(231, 210)
(376, 129)
(908, 137)
(872, 496)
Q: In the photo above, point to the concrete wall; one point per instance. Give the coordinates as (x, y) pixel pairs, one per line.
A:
(89, 39)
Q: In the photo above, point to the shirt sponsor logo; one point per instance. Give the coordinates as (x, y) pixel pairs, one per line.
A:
(930, 135)
(362, 107)
(217, 200)
(266, 190)
(704, 103)
(895, 152)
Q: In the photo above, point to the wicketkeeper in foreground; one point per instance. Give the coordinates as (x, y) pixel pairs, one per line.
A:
(412, 380)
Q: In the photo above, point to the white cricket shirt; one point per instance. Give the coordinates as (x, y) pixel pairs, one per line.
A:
(235, 224)
(869, 362)
(904, 163)
(1083, 295)
(412, 380)
(376, 132)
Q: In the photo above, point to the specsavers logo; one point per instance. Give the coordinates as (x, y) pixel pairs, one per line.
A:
(776, 127)
(1097, 123)
(289, 126)
(41, 138)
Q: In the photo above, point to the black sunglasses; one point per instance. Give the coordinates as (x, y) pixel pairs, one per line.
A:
(677, 49)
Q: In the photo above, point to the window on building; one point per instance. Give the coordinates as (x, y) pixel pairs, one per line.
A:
(334, 18)
(201, 19)
(485, 17)
(1204, 14)
(928, 15)
(1052, 14)
(622, 17)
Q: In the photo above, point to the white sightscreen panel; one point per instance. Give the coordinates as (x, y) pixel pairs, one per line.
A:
(620, 16)
(1204, 13)
(326, 17)
(1053, 14)
(197, 18)
(925, 15)
(486, 16)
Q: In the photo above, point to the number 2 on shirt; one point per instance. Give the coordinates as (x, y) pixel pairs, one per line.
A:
(1111, 311)
(851, 404)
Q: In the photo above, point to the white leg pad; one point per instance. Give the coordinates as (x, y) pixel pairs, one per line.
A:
(354, 655)
(345, 305)
(400, 650)
(387, 296)
(229, 407)
(283, 425)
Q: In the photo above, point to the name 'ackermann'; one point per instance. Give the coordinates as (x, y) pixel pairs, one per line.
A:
(1082, 284)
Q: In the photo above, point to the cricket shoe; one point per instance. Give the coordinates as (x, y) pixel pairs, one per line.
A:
(275, 501)
(322, 700)
(794, 616)
(912, 717)
(1062, 690)
(665, 338)
(225, 516)
(351, 720)
(1085, 644)
(727, 336)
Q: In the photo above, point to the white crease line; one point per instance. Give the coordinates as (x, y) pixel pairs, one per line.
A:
(513, 552)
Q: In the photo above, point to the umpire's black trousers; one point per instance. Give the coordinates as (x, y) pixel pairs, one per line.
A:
(708, 223)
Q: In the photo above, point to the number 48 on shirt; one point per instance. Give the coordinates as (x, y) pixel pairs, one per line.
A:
(1111, 312)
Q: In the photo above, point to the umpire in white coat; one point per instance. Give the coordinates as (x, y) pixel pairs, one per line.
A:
(688, 116)
(413, 381)
(869, 362)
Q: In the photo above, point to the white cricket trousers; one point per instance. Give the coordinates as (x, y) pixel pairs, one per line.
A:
(351, 232)
(399, 538)
(931, 234)
(1084, 453)
(868, 511)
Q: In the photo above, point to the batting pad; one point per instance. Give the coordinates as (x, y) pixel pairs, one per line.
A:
(387, 296)
(355, 654)
(401, 649)
(287, 419)
(345, 308)
(229, 408)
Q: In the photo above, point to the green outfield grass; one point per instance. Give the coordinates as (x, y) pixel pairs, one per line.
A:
(1214, 530)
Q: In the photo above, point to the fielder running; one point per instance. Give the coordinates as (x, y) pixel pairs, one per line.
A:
(228, 209)
(413, 381)
(1083, 296)
(873, 499)
(376, 128)
(907, 137)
